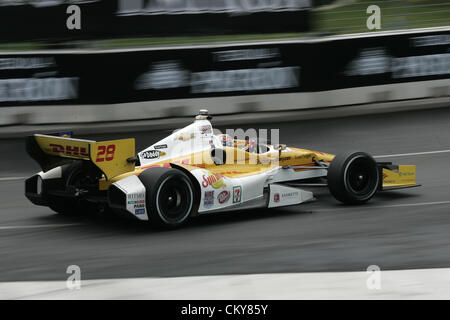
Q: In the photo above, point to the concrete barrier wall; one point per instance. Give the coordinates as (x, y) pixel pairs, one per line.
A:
(56, 114)
(397, 66)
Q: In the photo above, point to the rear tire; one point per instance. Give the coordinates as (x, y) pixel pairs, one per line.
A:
(353, 177)
(170, 196)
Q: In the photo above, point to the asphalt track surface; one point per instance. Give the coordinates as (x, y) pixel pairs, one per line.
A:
(397, 230)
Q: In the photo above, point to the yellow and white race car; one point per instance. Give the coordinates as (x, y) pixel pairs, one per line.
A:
(193, 172)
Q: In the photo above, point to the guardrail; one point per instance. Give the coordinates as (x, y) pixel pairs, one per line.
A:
(77, 86)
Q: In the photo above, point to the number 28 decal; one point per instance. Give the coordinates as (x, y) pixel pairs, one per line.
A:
(105, 153)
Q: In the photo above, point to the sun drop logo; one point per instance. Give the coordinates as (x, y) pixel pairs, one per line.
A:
(214, 180)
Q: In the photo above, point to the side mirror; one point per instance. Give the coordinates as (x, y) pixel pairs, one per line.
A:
(280, 148)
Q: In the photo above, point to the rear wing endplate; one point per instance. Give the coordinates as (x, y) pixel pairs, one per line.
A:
(110, 157)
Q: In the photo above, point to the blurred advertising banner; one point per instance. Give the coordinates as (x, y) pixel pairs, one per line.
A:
(223, 70)
(46, 19)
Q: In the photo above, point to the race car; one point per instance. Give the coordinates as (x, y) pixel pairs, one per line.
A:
(194, 172)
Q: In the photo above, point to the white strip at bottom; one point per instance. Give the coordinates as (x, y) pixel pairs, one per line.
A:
(402, 284)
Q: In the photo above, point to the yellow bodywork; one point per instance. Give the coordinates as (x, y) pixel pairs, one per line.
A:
(64, 147)
(109, 156)
(239, 163)
(113, 163)
(403, 177)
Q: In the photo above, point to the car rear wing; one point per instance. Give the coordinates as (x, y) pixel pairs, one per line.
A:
(112, 157)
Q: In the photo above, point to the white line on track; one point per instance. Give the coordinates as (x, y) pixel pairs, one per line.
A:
(12, 178)
(415, 204)
(420, 204)
(40, 226)
(412, 154)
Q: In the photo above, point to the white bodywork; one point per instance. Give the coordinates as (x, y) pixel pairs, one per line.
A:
(135, 196)
(218, 192)
(196, 137)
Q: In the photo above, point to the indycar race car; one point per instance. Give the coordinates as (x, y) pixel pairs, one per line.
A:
(193, 172)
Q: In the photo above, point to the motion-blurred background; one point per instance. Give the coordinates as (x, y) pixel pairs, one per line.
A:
(318, 70)
(104, 61)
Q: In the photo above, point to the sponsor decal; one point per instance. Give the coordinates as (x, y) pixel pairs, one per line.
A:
(237, 194)
(374, 61)
(289, 194)
(136, 202)
(68, 150)
(223, 197)
(163, 75)
(24, 63)
(161, 146)
(139, 211)
(245, 79)
(420, 66)
(384, 176)
(132, 196)
(208, 199)
(214, 180)
(369, 61)
(38, 89)
(276, 197)
(150, 154)
(205, 129)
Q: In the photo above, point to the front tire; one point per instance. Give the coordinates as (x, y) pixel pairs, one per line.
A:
(353, 177)
(170, 196)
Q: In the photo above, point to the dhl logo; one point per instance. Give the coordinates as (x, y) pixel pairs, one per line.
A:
(214, 180)
(69, 150)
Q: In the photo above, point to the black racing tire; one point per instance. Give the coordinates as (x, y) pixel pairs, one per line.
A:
(170, 196)
(353, 177)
